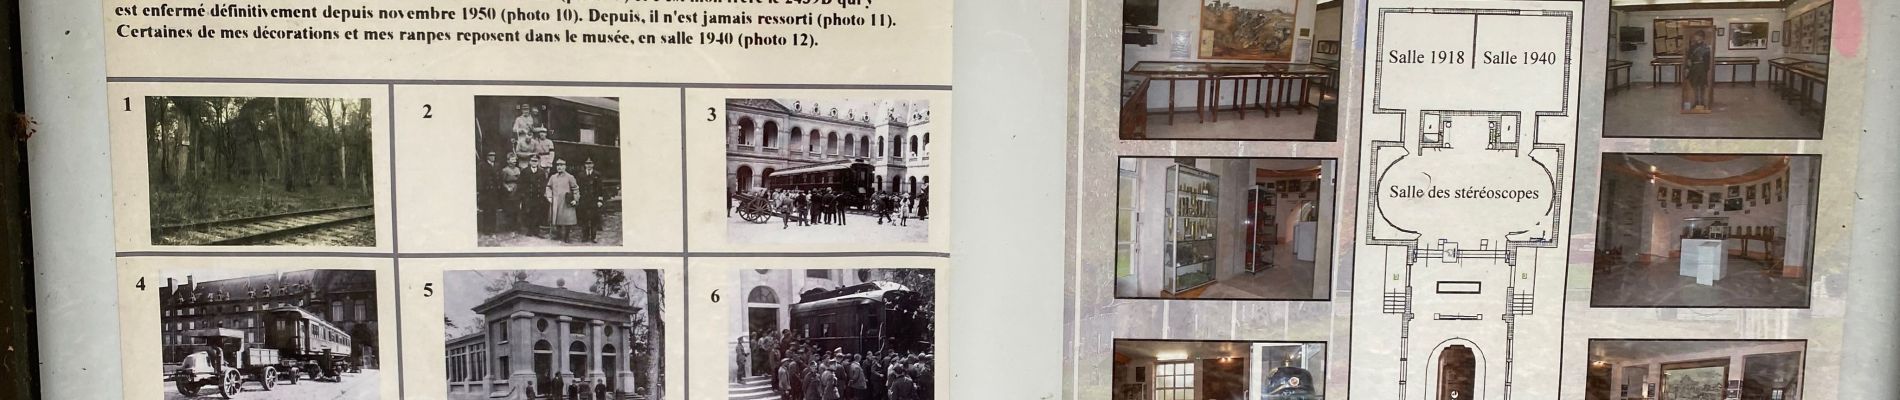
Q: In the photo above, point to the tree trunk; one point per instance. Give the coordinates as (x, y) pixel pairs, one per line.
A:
(656, 333)
(283, 147)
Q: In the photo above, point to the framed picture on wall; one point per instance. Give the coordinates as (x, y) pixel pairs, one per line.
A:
(1256, 30)
(1675, 196)
(1748, 35)
(1774, 37)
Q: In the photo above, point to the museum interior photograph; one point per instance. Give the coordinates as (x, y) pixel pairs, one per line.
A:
(1230, 69)
(1704, 230)
(1724, 68)
(1695, 369)
(1219, 370)
(1224, 228)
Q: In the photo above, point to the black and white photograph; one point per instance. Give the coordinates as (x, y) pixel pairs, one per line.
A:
(1224, 228)
(1713, 69)
(827, 171)
(1230, 69)
(1677, 369)
(1193, 370)
(547, 171)
(287, 334)
(858, 334)
(260, 171)
(554, 334)
(1749, 252)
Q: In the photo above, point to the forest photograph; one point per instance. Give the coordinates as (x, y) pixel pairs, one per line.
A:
(260, 171)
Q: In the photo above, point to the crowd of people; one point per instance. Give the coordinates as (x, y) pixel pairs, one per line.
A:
(828, 207)
(533, 194)
(801, 370)
(552, 387)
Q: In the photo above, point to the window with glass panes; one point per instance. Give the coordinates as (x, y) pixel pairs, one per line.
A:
(1174, 381)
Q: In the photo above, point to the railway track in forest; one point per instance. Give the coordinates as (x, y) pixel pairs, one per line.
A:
(349, 225)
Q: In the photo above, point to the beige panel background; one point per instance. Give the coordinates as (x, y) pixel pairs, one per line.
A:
(915, 51)
(436, 167)
(424, 351)
(130, 191)
(139, 335)
(706, 170)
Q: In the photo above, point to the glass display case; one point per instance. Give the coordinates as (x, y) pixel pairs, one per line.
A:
(1262, 229)
(1190, 229)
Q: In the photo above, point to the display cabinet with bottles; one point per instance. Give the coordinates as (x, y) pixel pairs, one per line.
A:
(1190, 228)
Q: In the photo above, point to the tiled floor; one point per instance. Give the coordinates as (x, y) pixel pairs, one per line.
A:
(1289, 281)
(1257, 126)
(1740, 111)
(1653, 284)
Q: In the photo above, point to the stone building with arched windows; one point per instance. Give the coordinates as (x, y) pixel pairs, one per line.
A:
(534, 334)
(764, 136)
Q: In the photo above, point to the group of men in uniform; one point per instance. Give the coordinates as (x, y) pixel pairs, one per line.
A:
(533, 194)
(800, 370)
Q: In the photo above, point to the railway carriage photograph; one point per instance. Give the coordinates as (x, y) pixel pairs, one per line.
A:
(293, 334)
(547, 171)
(238, 171)
(827, 171)
(554, 334)
(860, 334)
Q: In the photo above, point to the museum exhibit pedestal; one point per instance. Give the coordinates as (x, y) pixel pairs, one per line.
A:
(1703, 259)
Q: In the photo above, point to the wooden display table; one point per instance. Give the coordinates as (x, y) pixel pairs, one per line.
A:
(1610, 74)
(1134, 106)
(1736, 63)
(1270, 87)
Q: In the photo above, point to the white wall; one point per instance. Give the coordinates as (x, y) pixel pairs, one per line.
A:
(1151, 183)
(1326, 26)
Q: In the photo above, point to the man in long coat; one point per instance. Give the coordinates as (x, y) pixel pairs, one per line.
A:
(534, 206)
(563, 193)
(593, 196)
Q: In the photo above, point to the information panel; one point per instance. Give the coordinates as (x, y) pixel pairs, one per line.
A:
(1468, 147)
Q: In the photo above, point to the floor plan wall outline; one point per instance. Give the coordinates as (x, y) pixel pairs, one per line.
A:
(1468, 147)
